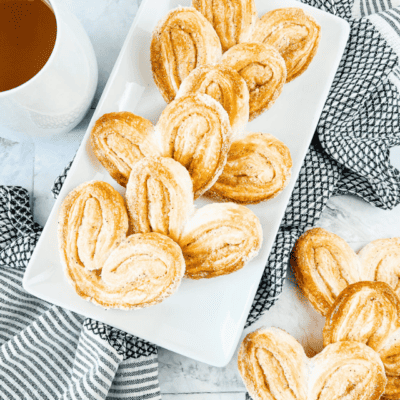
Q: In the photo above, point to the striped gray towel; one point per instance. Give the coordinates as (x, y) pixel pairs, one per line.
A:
(47, 352)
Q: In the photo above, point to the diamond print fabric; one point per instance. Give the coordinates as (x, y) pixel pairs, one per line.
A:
(48, 352)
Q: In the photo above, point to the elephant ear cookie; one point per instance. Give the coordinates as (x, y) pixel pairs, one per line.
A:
(258, 169)
(233, 20)
(195, 131)
(119, 140)
(294, 33)
(159, 196)
(142, 271)
(102, 264)
(220, 239)
(324, 264)
(264, 71)
(273, 365)
(182, 41)
(369, 312)
(226, 86)
(380, 261)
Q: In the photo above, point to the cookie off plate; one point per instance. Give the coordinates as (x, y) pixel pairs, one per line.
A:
(205, 318)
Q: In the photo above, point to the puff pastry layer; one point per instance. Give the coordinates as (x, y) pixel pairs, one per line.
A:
(220, 239)
(226, 86)
(104, 266)
(159, 196)
(119, 140)
(380, 261)
(182, 41)
(264, 71)
(273, 365)
(143, 270)
(324, 264)
(258, 169)
(195, 131)
(233, 20)
(294, 33)
(369, 312)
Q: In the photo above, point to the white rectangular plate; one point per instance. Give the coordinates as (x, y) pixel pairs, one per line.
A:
(205, 318)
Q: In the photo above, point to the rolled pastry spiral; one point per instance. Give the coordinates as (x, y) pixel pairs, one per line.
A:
(104, 266)
(324, 264)
(226, 86)
(119, 140)
(380, 261)
(195, 131)
(258, 169)
(271, 360)
(159, 196)
(273, 365)
(294, 33)
(346, 371)
(233, 20)
(220, 239)
(369, 312)
(264, 71)
(182, 41)
(144, 270)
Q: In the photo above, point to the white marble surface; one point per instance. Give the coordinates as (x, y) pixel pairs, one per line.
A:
(36, 164)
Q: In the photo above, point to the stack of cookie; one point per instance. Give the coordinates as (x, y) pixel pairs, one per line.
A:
(358, 295)
(217, 65)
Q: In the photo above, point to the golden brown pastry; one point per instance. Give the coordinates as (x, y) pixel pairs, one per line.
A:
(195, 131)
(93, 221)
(233, 20)
(144, 270)
(369, 312)
(273, 366)
(264, 71)
(119, 140)
(365, 312)
(346, 371)
(220, 239)
(258, 169)
(104, 266)
(182, 41)
(380, 261)
(272, 363)
(294, 33)
(324, 264)
(226, 86)
(159, 196)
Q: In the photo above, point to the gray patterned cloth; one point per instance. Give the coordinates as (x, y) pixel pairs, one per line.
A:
(47, 352)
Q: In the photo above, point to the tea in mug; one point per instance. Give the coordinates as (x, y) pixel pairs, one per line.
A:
(28, 31)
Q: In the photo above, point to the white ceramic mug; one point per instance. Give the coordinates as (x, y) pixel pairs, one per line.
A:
(57, 98)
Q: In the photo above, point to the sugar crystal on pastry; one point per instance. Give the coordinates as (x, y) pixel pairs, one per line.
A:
(258, 169)
(219, 239)
(159, 196)
(233, 20)
(226, 86)
(324, 264)
(380, 261)
(294, 33)
(181, 41)
(121, 139)
(195, 131)
(264, 71)
(369, 312)
(273, 365)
